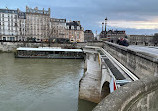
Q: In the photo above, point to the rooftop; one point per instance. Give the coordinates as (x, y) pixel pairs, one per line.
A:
(8, 11)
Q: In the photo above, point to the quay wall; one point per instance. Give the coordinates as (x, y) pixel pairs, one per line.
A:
(141, 95)
(11, 46)
(140, 63)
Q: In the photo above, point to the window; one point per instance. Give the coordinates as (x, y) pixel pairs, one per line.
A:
(4, 38)
(78, 28)
(72, 27)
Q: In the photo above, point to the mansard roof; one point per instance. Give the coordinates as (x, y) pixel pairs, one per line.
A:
(8, 11)
(74, 23)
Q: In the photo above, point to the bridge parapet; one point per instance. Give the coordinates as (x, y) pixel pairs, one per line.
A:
(141, 95)
(142, 64)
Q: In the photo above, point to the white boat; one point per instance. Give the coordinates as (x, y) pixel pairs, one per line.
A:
(54, 53)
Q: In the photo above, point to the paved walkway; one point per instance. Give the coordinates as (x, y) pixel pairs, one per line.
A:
(118, 75)
(148, 49)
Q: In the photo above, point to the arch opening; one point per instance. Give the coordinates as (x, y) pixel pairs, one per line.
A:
(105, 90)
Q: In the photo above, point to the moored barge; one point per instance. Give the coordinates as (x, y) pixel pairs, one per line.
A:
(51, 53)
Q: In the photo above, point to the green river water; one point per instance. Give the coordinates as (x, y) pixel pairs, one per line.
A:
(41, 84)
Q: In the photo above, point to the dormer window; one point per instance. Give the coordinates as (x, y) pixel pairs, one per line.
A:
(72, 27)
(78, 28)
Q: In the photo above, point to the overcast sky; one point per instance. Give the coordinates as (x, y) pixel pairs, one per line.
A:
(133, 16)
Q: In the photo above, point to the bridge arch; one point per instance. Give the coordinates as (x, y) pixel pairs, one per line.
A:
(105, 90)
(140, 95)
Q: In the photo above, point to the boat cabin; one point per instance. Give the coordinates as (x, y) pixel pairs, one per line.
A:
(55, 53)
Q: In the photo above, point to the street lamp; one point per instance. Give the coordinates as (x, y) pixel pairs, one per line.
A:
(106, 23)
(102, 26)
(105, 26)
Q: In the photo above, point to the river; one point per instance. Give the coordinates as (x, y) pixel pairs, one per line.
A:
(40, 84)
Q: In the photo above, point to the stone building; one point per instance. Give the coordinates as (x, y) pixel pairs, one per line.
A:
(88, 35)
(9, 29)
(74, 31)
(21, 25)
(141, 39)
(58, 28)
(114, 35)
(37, 23)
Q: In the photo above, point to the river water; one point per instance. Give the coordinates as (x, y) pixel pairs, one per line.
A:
(40, 84)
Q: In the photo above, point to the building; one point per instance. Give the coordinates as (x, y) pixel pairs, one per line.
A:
(74, 31)
(37, 23)
(141, 39)
(102, 35)
(58, 28)
(21, 25)
(9, 29)
(114, 35)
(88, 35)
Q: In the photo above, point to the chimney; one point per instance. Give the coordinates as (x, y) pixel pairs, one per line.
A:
(18, 10)
(49, 10)
(27, 8)
(36, 8)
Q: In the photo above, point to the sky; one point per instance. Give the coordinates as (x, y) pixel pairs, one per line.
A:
(133, 16)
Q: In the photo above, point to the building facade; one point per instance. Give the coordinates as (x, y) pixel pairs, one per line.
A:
(114, 35)
(58, 28)
(22, 26)
(141, 39)
(74, 31)
(37, 23)
(9, 29)
(88, 35)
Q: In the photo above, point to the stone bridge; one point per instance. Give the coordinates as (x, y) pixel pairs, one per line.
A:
(139, 95)
(141, 63)
(99, 79)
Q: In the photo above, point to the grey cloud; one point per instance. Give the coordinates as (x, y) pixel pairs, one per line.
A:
(90, 12)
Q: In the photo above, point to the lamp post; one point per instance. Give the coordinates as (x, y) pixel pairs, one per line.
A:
(105, 25)
(102, 26)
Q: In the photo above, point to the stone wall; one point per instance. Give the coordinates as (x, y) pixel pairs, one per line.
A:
(141, 95)
(11, 46)
(91, 81)
(140, 63)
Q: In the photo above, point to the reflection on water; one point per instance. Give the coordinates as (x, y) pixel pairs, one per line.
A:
(40, 84)
(85, 105)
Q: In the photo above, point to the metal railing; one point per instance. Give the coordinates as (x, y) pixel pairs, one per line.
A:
(129, 73)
